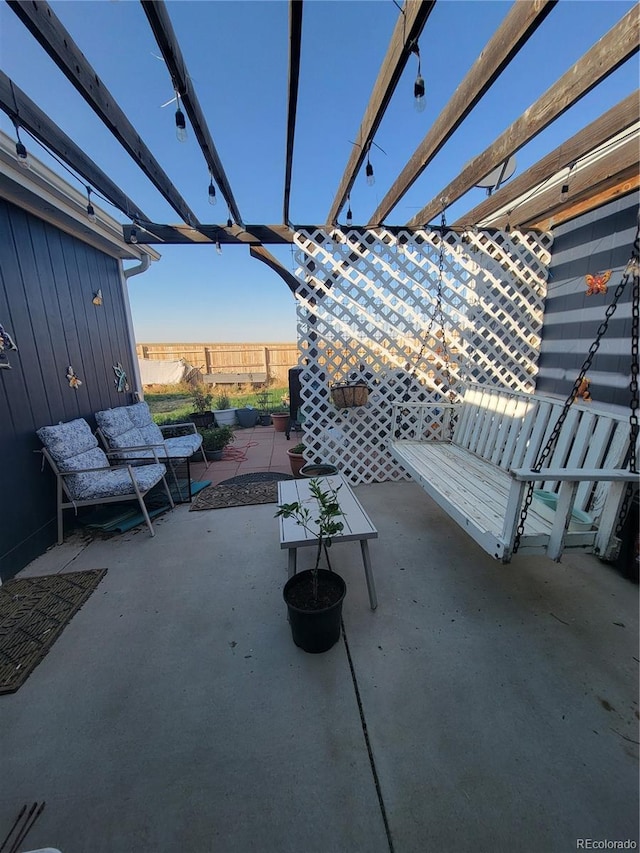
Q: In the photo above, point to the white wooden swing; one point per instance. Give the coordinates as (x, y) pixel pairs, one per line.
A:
(481, 459)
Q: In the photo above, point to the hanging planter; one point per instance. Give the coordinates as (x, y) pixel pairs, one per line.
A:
(348, 395)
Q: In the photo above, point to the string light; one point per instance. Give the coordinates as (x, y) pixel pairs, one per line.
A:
(181, 123)
(133, 236)
(91, 214)
(218, 246)
(21, 151)
(349, 213)
(213, 200)
(369, 172)
(419, 101)
(564, 192)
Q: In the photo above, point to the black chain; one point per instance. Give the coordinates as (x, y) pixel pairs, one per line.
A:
(631, 270)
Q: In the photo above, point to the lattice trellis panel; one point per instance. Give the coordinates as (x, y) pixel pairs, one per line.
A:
(376, 305)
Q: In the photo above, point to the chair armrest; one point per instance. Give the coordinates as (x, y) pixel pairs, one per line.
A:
(576, 475)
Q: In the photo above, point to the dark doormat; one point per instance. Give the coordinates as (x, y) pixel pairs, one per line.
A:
(243, 490)
(33, 612)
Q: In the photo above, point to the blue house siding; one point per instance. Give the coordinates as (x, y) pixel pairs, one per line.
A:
(593, 243)
(47, 282)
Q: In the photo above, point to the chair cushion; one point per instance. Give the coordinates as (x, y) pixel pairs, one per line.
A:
(129, 426)
(183, 445)
(73, 446)
(107, 484)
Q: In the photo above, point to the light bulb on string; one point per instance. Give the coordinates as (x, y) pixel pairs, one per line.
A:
(91, 213)
(218, 246)
(419, 100)
(564, 192)
(349, 213)
(213, 199)
(133, 235)
(21, 152)
(369, 173)
(181, 122)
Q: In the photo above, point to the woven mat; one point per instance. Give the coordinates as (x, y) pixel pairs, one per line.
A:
(243, 490)
(33, 612)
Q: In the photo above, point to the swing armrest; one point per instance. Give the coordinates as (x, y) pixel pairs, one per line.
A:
(576, 475)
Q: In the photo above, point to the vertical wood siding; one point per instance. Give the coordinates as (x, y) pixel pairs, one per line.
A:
(47, 282)
(593, 243)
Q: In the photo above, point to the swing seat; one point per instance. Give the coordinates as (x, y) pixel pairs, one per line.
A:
(475, 460)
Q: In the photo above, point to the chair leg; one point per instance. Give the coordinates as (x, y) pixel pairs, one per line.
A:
(60, 519)
(168, 491)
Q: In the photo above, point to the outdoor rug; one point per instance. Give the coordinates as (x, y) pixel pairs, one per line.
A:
(243, 490)
(33, 612)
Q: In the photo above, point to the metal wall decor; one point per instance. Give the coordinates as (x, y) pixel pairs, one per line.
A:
(74, 382)
(6, 344)
(597, 283)
(97, 298)
(121, 381)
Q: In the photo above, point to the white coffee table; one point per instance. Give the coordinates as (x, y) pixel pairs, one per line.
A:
(357, 524)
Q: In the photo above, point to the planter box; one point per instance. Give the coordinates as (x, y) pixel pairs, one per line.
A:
(225, 417)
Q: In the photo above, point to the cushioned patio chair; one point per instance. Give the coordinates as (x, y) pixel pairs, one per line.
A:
(85, 477)
(131, 433)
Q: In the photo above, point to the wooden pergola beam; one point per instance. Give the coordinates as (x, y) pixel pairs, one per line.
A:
(160, 23)
(621, 187)
(407, 30)
(615, 166)
(41, 21)
(519, 25)
(614, 48)
(261, 254)
(155, 233)
(614, 121)
(295, 40)
(21, 109)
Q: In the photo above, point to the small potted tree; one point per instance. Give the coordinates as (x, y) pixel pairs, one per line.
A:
(214, 441)
(262, 399)
(314, 597)
(202, 416)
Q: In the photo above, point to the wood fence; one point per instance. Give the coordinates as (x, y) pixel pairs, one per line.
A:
(274, 360)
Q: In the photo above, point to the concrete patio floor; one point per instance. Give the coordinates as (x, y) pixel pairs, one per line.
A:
(482, 707)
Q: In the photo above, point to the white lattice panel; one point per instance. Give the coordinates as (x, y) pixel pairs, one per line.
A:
(370, 304)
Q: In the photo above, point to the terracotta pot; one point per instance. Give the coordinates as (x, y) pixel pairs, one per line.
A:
(296, 460)
(280, 421)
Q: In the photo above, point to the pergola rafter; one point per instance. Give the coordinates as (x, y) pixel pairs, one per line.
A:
(165, 37)
(295, 40)
(519, 25)
(407, 30)
(621, 42)
(613, 122)
(41, 21)
(21, 109)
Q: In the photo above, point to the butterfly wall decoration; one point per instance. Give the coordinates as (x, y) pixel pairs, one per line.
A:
(74, 382)
(97, 298)
(597, 283)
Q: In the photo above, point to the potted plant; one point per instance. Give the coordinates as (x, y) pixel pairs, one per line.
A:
(247, 416)
(314, 597)
(214, 441)
(296, 458)
(347, 395)
(202, 416)
(262, 399)
(224, 414)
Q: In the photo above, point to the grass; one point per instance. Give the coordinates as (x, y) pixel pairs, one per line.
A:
(174, 403)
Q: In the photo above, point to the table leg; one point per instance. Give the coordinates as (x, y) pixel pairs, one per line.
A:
(292, 561)
(373, 599)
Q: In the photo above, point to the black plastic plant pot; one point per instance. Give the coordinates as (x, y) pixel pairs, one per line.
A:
(315, 628)
(318, 469)
(201, 419)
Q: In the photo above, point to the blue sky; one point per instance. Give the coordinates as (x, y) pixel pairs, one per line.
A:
(236, 53)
